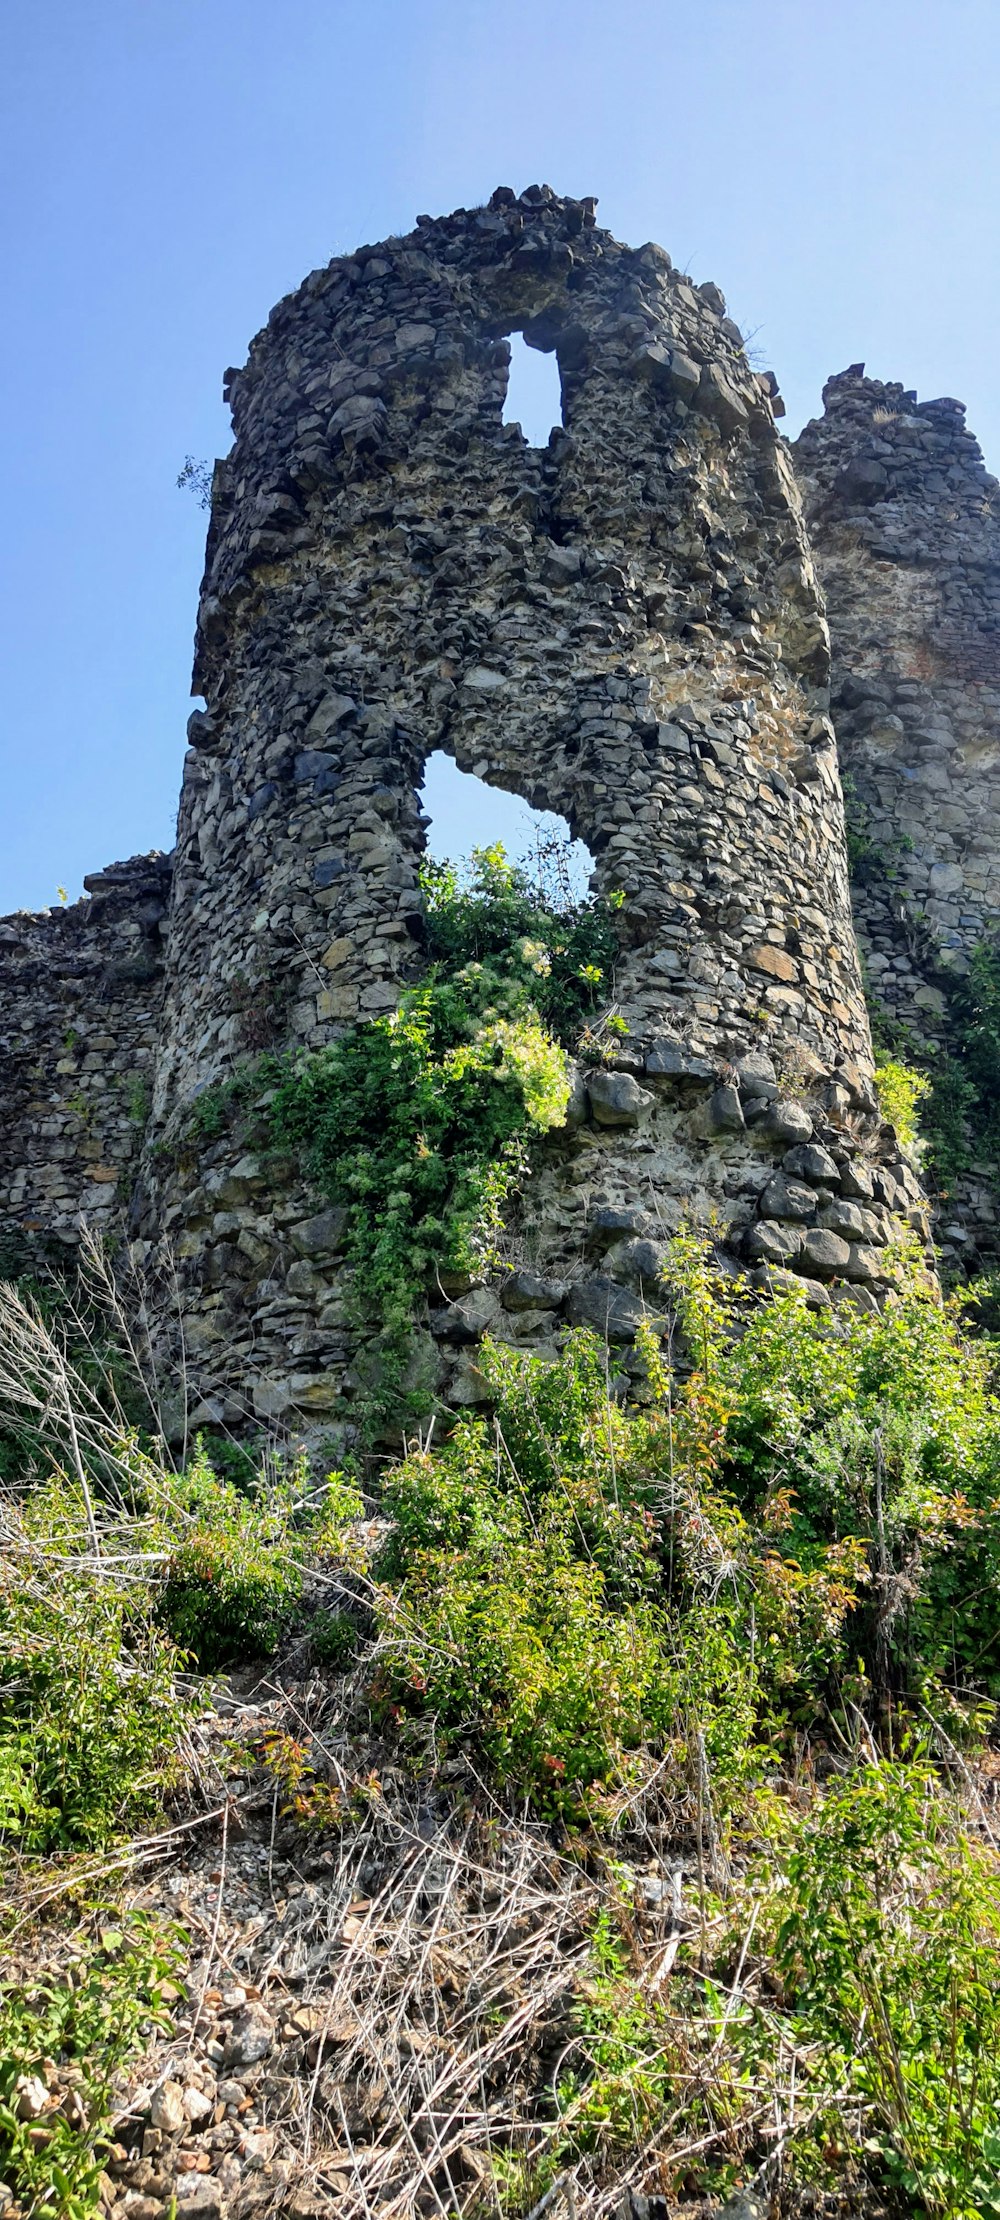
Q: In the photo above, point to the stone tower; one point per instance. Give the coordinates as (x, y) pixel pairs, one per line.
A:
(904, 522)
(624, 627)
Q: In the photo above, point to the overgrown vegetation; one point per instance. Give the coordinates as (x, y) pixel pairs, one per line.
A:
(72, 2028)
(835, 2009)
(710, 1646)
(233, 1557)
(949, 1087)
(901, 1090)
(119, 1578)
(421, 1122)
(807, 1522)
(791, 1547)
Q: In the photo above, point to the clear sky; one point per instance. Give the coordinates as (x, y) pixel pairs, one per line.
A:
(169, 168)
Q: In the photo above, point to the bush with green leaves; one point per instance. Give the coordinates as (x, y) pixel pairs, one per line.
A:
(529, 930)
(872, 1444)
(69, 2030)
(421, 1121)
(803, 1517)
(888, 1940)
(335, 1639)
(845, 1987)
(110, 1585)
(234, 1556)
(89, 1706)
(526, 1597)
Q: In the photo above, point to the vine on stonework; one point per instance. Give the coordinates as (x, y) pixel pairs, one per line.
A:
(421, 1122)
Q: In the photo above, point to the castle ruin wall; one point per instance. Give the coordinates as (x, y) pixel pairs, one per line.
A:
(904, 523)
(80, 998)
(625, 628)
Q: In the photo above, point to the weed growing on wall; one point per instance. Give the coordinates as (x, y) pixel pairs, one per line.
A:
(901, 1090)
(959, 1074)
(946, 1090)
(421, 1121)
(869, 861)
(493, 913)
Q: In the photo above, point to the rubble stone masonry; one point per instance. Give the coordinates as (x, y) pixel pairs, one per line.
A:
(80, 996)
(625, 627)
(904, 523)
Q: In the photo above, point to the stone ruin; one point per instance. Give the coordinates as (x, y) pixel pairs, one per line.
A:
(630, 627)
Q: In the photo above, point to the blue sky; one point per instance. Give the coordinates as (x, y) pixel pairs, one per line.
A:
(169, 168)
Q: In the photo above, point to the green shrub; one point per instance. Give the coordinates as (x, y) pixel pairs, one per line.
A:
(82, 2020)
(974, 1008)
(900, 1092)
(629, 2068)
(495, 915)
(523, 1654)
(530, 1602)
(869, 862)
(89, 1711)
(950, 1118)
(334, 1639)
(846, 1986)
(888, 1942)
(880, 1437)
(106, 1588)
(808, 1517)
(234, 1570)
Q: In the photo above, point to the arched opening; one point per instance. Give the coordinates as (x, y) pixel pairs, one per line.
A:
(465, 813)
(534, 392)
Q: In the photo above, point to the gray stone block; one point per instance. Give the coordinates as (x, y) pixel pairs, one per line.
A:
(811, 1162)
(788, 1198)
(788, 1121)
(824, 1254)
(724, 1113)
(616, 1098)
(530, 1291)
(601, 1303)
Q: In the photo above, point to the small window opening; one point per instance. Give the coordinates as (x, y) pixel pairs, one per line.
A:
(534, 392)
(465, 813)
